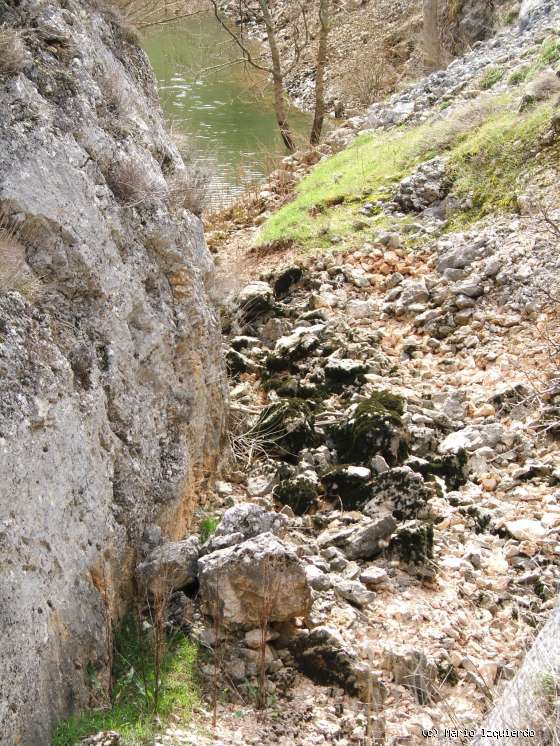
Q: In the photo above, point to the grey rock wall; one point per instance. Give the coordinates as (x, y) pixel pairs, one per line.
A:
(111, 380)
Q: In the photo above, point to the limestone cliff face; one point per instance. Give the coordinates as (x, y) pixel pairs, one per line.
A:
(111, 382)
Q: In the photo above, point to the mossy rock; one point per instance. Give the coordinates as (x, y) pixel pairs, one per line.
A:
(276, 363)
(351, 484)
(340, 373)
(452, 468)
(374, 427)
(481, 519)
(413, 543)
(237, 363)
(285, 427)
(300, 494)
(286, 280)
(404, 489)
(283, 385)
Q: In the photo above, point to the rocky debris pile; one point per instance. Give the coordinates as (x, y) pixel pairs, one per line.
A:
(402, 456)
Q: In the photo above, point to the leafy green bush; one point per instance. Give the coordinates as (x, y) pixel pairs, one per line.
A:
(207, 527)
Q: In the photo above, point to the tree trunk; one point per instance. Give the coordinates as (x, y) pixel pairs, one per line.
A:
(277, 79)
(320, 73)
(432, 44)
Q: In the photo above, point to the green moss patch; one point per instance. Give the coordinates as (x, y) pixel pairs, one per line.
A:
(300, 494)
(285, 427)
(375, 427)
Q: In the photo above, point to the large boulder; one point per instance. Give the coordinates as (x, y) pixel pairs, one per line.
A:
(363, 541)
(301, 342)
(254, 300)
(168, 567)
(259, 580)
(349, 484)
(402, 490)
(472, 437)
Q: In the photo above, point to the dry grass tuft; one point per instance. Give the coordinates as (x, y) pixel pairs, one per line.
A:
(131, 184)
(545, 85)
(461, 120)
(13, 55)
(188, 190)
(15, 273)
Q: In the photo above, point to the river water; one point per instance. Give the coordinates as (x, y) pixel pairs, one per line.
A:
(221, 113)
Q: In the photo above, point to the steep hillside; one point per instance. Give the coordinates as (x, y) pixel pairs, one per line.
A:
(112, 400)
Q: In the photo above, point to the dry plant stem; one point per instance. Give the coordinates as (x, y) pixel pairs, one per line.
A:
(108, 623)
(142, 648)
(217, 616)
(142, 14)
(270, 591)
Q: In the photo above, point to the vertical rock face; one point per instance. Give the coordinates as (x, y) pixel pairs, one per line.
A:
(112, 388)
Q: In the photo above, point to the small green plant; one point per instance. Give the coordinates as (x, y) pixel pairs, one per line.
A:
(492, 76)
(519, 75)
(550, 51)
(207, 527)
(133, 712)
(512, 16)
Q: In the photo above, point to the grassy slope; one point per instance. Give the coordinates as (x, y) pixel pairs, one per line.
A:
(487, 162)
(490, 147)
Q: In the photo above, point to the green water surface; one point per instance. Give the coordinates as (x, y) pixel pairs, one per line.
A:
(224, 115)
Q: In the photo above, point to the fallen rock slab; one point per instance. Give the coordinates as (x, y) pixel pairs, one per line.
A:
(259, 578)
(322, 656)
(244, 521)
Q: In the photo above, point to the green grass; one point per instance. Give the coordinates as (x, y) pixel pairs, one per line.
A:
(491, 162)
(207, 527)
(491, 76)
(131, 713)
(550, 51)
(327, 201)
(490, 147)
(548, 56)
(520, 75)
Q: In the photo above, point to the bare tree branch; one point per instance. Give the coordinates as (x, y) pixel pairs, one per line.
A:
(238, 41)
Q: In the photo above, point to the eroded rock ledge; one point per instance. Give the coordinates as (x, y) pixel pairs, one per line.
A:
(112, 386)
